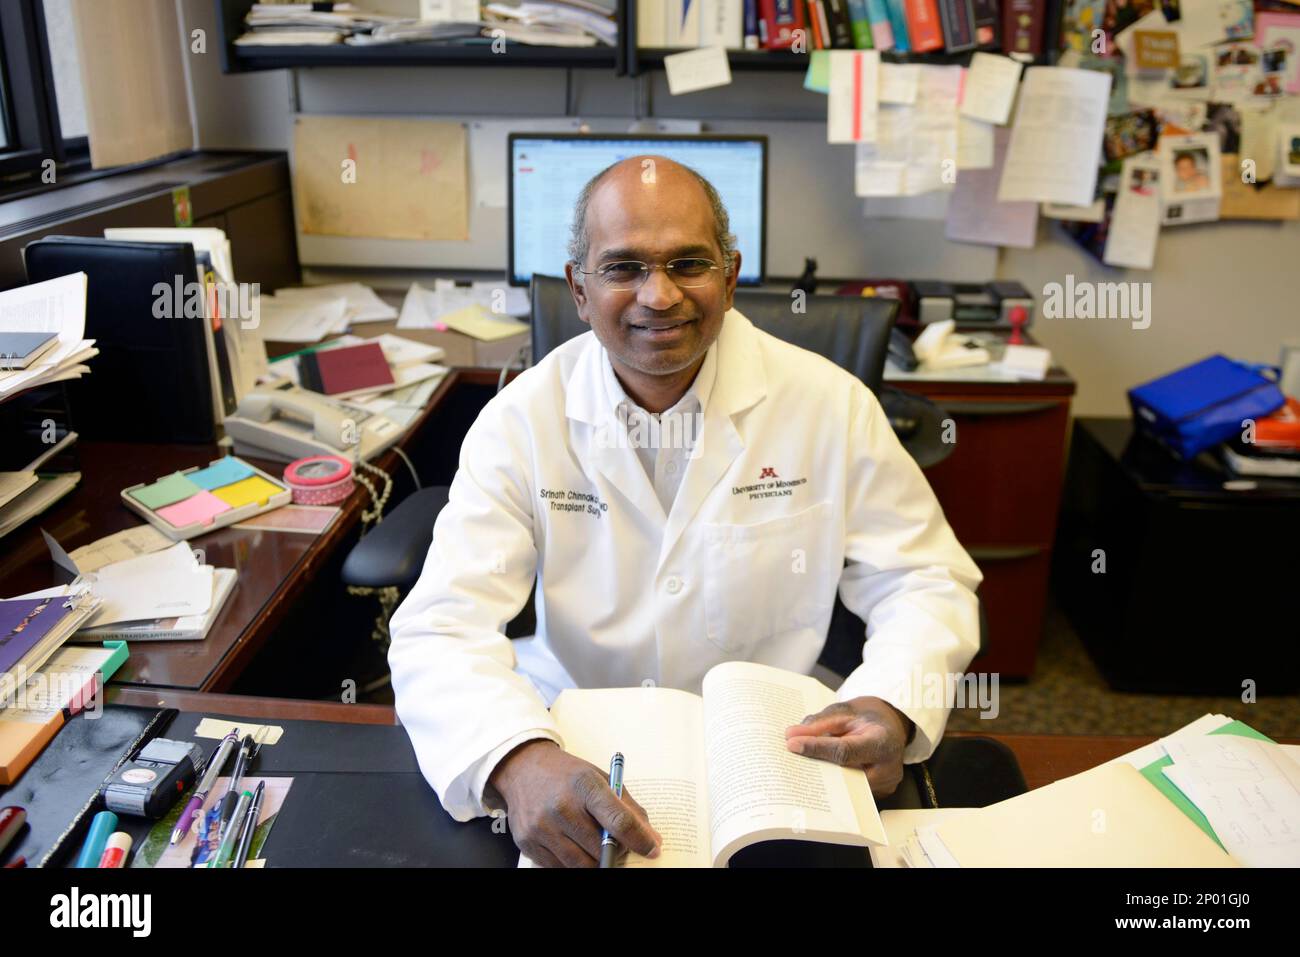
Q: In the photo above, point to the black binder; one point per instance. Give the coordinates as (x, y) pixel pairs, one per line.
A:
(150, 381)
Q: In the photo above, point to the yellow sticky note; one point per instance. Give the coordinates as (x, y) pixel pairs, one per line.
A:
(217, 729)
(477, 322)
(252, 489)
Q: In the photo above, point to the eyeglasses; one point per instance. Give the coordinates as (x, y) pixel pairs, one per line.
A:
(630, 274)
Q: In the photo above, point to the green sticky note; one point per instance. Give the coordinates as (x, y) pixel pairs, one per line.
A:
(818, 77)
(166, 491)
(1153, 773)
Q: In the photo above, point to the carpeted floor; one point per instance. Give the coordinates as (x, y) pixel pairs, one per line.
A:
(1067, 695)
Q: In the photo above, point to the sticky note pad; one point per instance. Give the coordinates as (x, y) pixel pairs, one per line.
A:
(200, 508)
(250, 490)
(165, 491)
(226, 472)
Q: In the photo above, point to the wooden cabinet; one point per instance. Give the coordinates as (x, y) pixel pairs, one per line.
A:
(1001, 491)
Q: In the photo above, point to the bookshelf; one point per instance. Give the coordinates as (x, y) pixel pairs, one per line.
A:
(624, 59)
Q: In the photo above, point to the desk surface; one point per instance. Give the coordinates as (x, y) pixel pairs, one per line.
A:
(274, 567)
(355, 753)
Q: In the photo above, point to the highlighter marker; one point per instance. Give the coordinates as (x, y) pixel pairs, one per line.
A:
(104, 824)
(119, 845)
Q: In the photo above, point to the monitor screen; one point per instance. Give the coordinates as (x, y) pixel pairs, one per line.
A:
(548, 171)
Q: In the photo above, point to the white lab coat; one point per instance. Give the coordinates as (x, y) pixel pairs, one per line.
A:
(744, 567)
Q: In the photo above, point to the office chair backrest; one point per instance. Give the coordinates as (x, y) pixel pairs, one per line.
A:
(852, 332)
(150, 381)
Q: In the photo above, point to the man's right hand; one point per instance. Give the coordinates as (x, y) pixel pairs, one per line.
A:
(556, 805)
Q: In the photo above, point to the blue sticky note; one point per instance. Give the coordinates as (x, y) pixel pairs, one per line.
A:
(226, 472)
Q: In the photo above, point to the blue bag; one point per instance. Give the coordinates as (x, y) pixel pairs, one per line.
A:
(1203, 404)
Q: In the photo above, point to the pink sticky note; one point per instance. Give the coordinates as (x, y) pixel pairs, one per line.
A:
(201, 508)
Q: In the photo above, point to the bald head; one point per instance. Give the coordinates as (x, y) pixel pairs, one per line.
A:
(654, 177)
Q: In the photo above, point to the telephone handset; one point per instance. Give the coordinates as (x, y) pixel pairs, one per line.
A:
(289, 423)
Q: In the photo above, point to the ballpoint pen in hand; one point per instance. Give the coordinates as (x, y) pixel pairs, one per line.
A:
(210, 774)
(609, 846)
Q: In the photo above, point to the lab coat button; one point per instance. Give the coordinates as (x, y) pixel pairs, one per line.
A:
(674, 585)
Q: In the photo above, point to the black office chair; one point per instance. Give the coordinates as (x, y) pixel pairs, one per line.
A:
(851, 332)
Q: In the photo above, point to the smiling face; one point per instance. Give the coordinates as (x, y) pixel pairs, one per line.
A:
(656, 334)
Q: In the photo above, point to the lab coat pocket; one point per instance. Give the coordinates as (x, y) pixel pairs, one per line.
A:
(767, 578)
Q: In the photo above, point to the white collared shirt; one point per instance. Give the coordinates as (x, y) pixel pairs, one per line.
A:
(664, 442)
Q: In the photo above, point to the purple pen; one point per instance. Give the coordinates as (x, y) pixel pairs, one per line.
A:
(205, 785)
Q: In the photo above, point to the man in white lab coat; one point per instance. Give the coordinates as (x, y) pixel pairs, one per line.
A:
(686, 490)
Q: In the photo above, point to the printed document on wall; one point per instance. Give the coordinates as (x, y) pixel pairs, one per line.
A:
(1055, 148)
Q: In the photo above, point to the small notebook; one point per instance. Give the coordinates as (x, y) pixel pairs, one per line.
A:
(346, 369)
(18, 350)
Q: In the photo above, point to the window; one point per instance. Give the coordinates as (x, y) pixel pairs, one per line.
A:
(40, 90)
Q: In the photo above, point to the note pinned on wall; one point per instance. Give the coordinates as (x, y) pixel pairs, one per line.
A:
(381, 178)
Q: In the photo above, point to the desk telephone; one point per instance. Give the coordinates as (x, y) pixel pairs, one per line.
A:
(288, 423)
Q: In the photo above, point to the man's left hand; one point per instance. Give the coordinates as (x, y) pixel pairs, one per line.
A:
(866, 733)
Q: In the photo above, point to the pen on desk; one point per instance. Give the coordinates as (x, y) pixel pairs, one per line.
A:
(232, 833)
(215, 764)
(250, 825)
(609, 846)
(231, 798)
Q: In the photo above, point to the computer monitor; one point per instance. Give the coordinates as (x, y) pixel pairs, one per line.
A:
(547, 171)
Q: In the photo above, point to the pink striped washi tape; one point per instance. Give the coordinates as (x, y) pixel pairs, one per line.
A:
(319, 479)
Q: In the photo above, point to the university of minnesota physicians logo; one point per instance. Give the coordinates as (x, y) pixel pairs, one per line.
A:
(768, 472)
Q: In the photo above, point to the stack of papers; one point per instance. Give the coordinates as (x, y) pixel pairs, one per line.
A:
(150, 588)
(554, 22)
(57, 306)
(285, 24)
(310, 313)
(1215, 793)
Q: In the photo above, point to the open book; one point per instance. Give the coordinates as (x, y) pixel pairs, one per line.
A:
(713, 771)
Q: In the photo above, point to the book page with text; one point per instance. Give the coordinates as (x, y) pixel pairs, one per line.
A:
(660, 732)
(758, 789)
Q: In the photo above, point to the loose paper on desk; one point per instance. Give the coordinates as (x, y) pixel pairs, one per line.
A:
(478, 323)
(165, 584)
(379, 177)
(1110, 816)
(975, 214)
(128, 543)
(991, 87)
(363, 304)
(1056, 138)
(1135, 224)
(852, 99)
(301, 318)
(426, 308)
(915, 145)
(698, 69)
(1249, 790)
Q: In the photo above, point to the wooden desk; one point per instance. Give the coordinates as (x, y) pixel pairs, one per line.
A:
(274, 568)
